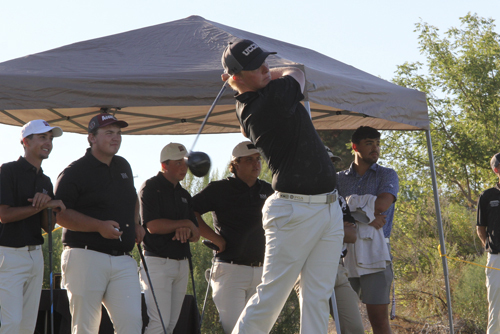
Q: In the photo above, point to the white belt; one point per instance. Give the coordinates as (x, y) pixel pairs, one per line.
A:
(311, 199)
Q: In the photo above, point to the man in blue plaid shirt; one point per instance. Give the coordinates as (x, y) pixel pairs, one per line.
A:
(365, 176)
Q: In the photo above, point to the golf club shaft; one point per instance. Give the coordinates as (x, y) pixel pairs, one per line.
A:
(208, 289)
(333, 301)
(151, 286)
(51, 270)
(208, 114)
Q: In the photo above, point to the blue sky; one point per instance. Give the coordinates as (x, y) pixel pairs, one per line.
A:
(374, 36)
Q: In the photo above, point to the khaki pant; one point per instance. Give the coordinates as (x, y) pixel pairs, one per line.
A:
(92, 278)
(169, 278)
(347, 305)
(21, 277)
(232, 287)
(493, 287)
(300, 240)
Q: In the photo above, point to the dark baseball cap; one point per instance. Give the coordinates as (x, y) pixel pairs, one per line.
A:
(105, 119)
(243, 55)
(495, 162)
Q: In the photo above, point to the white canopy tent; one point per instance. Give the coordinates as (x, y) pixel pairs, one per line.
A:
(162, 79)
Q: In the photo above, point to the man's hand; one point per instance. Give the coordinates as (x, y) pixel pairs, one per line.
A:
(195, 234)
(140, 232)
(182, 234)
(40, 200)
(108, 231)
(379, 221)
(350, 234)
(225, 77)
(57, 205)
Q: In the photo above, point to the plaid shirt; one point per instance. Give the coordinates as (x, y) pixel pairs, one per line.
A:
(375, 181)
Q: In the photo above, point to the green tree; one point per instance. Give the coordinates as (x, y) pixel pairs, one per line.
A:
(462, 82)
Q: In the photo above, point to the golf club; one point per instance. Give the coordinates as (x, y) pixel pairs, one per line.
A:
(51, 271)
(214, 247)
(199, 162)
(333, 304)
(151, 286)
(194, 289)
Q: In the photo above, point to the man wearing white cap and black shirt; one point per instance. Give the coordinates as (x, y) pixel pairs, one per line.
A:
(168, 216)
(25, 194)
(488, 230)
(302, 220)
(101, 225)
(236, 204)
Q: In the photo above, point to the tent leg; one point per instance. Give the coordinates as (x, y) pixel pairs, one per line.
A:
(440, 228)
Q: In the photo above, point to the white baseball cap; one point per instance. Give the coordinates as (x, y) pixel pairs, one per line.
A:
(333, 157)
(39, 126)
(244, 149)
(173, 151)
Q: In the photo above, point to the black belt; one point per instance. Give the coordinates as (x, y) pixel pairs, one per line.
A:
(148, 253)
(105, 251)
(242, 263)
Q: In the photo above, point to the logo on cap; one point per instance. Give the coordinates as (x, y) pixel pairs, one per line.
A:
(105, 117)
(249, 49)
(45, 123)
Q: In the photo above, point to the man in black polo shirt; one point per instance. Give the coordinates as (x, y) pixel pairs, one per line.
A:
(488, 230)
(25, 194)
(101, 224)
(302, 220)
(236, 204)
(168, 216)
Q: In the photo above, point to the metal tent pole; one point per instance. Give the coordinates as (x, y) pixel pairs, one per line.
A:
(440, 228)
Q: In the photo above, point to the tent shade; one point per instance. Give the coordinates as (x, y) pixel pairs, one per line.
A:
(162, 80)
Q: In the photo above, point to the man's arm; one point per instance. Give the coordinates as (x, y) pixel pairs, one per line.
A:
(139, 230)
(294, 72)
(210, 234)
(76, 221)
(481, 233)
(350, 235)
(166, 226)
(9, 214)
(382, 203)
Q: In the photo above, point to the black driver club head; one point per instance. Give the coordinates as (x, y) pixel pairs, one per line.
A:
(199, 163)
(210, 245)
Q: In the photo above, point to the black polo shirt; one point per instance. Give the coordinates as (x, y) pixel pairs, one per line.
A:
(488, 215)
(280, 127)
(19, 181)
(104, 192)
(160, 199)
(237, 214)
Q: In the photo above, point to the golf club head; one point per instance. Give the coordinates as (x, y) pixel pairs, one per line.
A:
(199, 163)
(210, 245)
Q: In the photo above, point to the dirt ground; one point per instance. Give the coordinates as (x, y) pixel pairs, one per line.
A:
(398, 326)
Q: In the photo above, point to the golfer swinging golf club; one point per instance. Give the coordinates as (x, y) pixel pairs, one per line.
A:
(302, 220)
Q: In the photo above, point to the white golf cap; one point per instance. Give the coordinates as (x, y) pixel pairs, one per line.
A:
(244, 149)
(39, 126)
(333, 157)
(173, 151)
